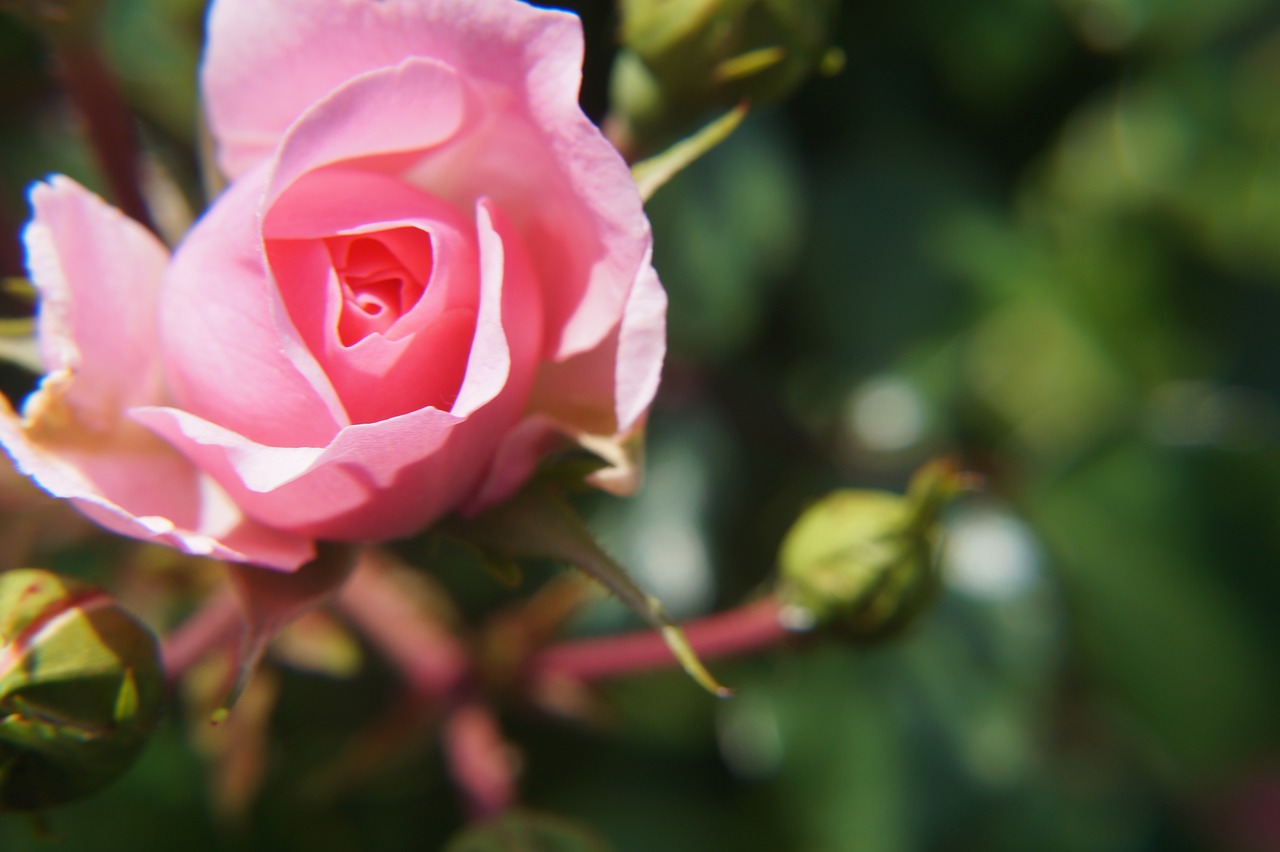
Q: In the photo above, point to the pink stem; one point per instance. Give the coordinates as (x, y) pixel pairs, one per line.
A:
(478, 760)
(216, 623)
(749, 628)
(432, 661)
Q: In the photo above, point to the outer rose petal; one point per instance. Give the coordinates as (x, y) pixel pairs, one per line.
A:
(364, 118)
(98, 274)
(391, 478)
(231, 355)
(607, 389)
(151, 493)
(267, 64)
(597, 399)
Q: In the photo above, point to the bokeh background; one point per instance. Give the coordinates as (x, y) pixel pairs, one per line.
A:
(1043, 237)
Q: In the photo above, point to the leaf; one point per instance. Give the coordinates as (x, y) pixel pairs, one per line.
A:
(651, 174)
(538, 524)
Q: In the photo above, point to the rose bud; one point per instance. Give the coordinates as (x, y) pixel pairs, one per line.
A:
(865, 563)
(80, 689)
(684, 58)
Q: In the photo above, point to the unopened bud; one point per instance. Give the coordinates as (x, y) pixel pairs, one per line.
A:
(864, 563)
(80, 689)
(684, 58)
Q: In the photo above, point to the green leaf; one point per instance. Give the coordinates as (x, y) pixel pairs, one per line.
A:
(538, 524)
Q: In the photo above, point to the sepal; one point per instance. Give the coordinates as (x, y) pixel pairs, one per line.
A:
(537, 523)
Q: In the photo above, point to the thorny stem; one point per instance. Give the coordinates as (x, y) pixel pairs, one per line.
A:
(752, 627)
(93, 90)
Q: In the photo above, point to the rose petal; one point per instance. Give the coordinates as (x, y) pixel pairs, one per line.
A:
(598, 399)
(367, 117)
(98, 273)
(424, 354)
(517, 457)
(267, 63)
(642, 347)
(394, 477)
(150, 493)
(537, 155)
(607, 389)
(231, 355)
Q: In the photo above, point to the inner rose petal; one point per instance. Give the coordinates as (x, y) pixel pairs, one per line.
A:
(381, 276)
(381, 282)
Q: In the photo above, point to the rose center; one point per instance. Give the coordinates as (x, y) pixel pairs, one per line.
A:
(381, 277)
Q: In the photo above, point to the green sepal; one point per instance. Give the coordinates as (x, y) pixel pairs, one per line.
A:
(269, 600)
(538, 523)
(747, 64)
(650, 175)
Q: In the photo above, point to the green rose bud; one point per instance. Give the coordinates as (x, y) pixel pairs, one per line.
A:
(684, 58)
(80, 689)
(865, 562)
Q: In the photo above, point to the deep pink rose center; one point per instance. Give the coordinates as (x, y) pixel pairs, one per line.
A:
(381, 276)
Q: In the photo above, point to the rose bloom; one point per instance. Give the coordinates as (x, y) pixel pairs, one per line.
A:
(429, 270)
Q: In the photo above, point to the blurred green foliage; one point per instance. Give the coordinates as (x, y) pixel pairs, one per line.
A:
(1042, 236)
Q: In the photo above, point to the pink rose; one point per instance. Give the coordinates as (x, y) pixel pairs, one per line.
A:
(428, 270)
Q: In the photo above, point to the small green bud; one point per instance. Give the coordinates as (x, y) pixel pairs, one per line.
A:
(865, 562)
(81, 685)
(684, 58)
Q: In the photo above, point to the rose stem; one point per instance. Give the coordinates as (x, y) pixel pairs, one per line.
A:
(437, 669)
(93, 90)
(432, 661)
(215, 623)
(751, 627)
(478, 760)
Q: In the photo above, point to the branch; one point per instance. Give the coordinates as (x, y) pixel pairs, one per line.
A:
(752, 627)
